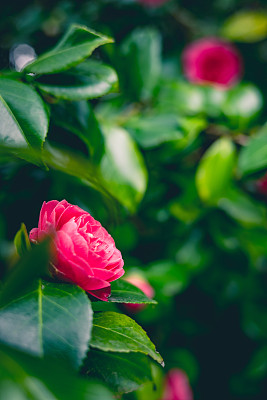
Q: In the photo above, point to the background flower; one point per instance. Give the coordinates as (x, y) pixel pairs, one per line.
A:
(211, 60)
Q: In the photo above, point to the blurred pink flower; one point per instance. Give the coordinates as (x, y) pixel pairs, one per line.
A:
(213, 61)
(84, 253)
(261, 185)
(177, 386)
(140, 282)
(153, 3)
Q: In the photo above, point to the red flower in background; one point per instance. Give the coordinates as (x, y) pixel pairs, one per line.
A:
(213, 61)
(142, 284)
(153, 3)
(84, 252)
(177, 386)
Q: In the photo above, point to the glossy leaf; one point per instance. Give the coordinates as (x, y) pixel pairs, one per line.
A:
(24, 377)
(123, 167)
(253, 157)
(122, 372)
(25, 272)
(49, 319)
(140, 63)
(124, 292)
(154, 130)
(246, 26)
(215, 170)
(88, 80)
(23, 115)
(76, 45)
(118, 332)
(79, 118)
(21, 241)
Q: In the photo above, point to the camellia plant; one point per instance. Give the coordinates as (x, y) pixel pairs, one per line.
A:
(133, 230)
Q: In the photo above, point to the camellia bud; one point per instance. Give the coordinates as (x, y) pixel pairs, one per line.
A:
(142, 284)
(177, 386)
(212, 61)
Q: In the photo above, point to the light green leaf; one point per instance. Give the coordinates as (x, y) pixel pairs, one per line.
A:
(49, 319)
(243, 208)
(215, 170)
(88, 80)
(246, 26)
(118, 332)
(124, 292)
(253, 157)
(122, 372)
(24, 377)
(76, 45)
(23, 116)
(242, 104)
(123, 167)
(21, 241)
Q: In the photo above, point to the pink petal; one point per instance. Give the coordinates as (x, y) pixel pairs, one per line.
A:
(101, 294)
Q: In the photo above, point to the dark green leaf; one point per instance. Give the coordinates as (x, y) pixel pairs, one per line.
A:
(118, 332)
(215, 170)
(124, 292)
(79, 118)
(253, 157)
(23, 377)
(140, 63)
(25, 271)
(23, 116)
(21, 241)
(49, 320)
(122, 372)
(88, 80)
(123, 167)
(77, 44)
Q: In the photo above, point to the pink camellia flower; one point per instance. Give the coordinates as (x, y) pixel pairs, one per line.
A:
(153, 3)
(177, 386)
(84, 252)
(212, 61)
(142, 284)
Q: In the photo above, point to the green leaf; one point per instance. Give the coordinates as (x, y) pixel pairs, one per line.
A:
(253, 157)
(243, 208)
(88, 80)
(124, 292)
(246, 26)
(123, 167)
(23, 116)
(76, 45)
(154, 130)
(25, 272)
(122, 372)
(242, 104)
(21, 241)
(24, 377)
(117, 332)
(79, 118)
(49, 319)
(139, 63)
(215, 170)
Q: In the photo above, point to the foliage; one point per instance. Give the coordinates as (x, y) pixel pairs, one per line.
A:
(172, 169)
